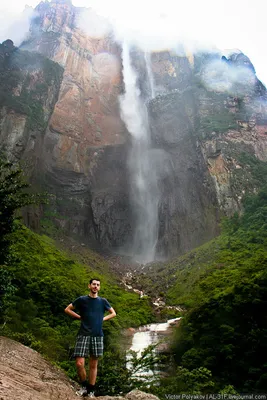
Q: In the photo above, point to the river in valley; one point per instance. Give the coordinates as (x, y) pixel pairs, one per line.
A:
(150, 335)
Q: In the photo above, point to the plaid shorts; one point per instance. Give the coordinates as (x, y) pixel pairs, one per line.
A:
(88, 346)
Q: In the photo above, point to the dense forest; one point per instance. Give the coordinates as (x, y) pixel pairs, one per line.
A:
(220, 346)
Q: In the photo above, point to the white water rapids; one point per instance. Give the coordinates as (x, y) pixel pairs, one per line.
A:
(150, 334)
(145, 193)
(147, 335)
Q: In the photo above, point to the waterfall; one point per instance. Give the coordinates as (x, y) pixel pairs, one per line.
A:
(145, 194)
(150, 74)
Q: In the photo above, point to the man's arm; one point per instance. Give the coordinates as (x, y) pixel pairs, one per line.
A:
(112, 314)
(69, 310)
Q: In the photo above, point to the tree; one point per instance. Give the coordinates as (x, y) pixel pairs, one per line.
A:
(12, 197)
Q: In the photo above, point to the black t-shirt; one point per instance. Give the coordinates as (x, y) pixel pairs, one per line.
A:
(91, 310)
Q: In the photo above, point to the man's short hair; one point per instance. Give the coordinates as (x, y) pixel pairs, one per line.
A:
(94, 279)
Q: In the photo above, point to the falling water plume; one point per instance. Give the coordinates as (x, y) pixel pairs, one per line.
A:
(145, 194)
(150, 74)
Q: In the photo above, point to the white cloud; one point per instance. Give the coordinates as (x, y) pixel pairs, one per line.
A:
(223, 76)
(93, 24)
(160, 24)
(15, 25)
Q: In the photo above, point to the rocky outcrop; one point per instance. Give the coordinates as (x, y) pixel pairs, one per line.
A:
(233, 124)
(29, 86)
(26, 375)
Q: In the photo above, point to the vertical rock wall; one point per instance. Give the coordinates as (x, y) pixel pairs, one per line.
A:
(76, 147)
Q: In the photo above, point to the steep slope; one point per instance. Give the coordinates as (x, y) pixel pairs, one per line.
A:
(84, 146)
(222, 338)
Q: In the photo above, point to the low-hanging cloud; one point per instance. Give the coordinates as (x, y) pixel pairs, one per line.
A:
(222, 76)
(150, 26)
(156, 25)
(92, 24)
(15, 25)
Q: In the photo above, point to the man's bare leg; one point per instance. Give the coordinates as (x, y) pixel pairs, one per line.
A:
(80, 361)
(93, 370)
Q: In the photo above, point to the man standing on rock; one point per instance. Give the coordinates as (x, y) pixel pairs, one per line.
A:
(89, 341)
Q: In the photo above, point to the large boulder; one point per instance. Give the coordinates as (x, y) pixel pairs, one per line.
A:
(26, 375)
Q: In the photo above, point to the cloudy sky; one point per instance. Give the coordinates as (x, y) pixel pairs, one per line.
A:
(225, 24)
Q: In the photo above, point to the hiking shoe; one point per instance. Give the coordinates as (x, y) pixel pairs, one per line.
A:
(91, 394)
(82, 392)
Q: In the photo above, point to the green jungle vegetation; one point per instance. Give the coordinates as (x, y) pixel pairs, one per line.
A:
(221, 344)
(217, 122)
(37, 281)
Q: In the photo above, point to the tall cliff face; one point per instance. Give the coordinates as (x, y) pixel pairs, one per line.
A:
(198, 133)
(188, 213)
(232, 124)
(207, 115)
(29, 86)
(87, 110)
(85, 142)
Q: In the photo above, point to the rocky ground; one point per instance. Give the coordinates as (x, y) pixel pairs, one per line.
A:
(26, 375)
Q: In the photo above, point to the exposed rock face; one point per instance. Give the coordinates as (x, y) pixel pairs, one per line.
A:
(139, 395)
(85, 149)
(87, 112)
(188, 212)
(25, 375)
(78, 151)
(29, 86)
(204, 133)
(233, 124)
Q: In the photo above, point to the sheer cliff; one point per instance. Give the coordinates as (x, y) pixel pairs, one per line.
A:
(201, 120)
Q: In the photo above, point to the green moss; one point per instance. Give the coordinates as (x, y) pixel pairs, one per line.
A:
(219, 123)
(251, 176)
